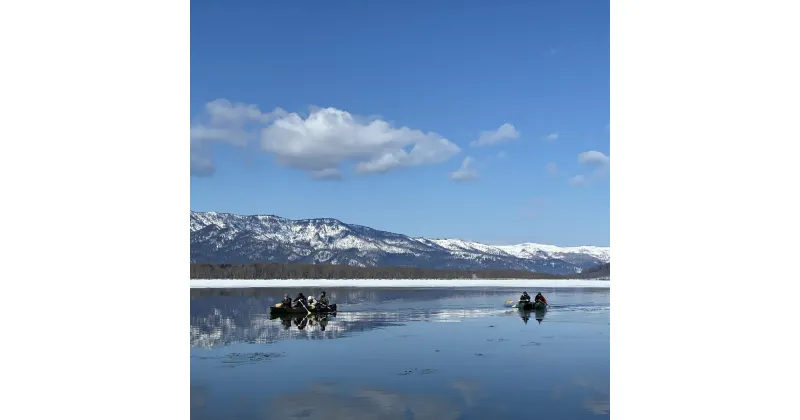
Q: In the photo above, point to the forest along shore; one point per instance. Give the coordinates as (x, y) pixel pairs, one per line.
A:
(330, 271)
(327, 284)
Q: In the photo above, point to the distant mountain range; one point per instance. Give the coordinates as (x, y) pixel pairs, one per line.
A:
(219, 238)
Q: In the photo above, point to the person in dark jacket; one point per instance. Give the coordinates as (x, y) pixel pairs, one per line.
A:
(300, 300)
(287, 301)
(540, 298)
(525, 297)
(323, 300)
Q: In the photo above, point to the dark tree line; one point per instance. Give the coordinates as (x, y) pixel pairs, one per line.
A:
(603, 270)
(331, 271)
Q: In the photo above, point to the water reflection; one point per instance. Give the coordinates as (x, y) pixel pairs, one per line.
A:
(537, 314)
(301, 321)
(220, 329)
(598, 399)
(422, 368)
(325, 401)
(221, 317)
(198, 396)
(358, 297)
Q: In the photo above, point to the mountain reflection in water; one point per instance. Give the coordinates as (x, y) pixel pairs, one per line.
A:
(399, 353)
(221, 317)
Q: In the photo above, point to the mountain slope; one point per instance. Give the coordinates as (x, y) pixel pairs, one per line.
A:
(229, 238)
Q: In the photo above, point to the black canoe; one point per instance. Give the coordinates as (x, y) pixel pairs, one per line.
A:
(528, 306)
(314, 315)
(277, 310)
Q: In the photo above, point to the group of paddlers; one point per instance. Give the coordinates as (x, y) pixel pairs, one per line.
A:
(538, 298)
(308, 303)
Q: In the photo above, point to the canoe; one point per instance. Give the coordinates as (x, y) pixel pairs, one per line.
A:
(531, 306)
(291, 316)
(277, 310)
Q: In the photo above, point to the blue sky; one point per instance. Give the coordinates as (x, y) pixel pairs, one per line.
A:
(478, 120)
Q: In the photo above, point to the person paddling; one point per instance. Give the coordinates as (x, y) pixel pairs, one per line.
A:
(525, 297)
(323, 300)
(540, 298)
(300, 300)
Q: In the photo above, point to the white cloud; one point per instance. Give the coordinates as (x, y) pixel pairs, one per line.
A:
(329, 137)
(227, 122)
(466, 172)
(552, 169)
(224, 122)
(593, 158)
(552, 137)
(505, 132)
(319, 143)
(222, 111)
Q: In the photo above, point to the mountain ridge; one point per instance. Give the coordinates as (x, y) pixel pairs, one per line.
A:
(221, 237)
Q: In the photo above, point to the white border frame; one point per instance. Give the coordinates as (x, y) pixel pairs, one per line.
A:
(704, 208)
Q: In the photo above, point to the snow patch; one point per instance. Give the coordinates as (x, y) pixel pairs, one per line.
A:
(236, 283)
(304, 237)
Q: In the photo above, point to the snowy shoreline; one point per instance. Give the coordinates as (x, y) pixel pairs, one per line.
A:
(239, 283)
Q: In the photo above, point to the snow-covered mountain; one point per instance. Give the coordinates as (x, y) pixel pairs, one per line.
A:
(228, 238)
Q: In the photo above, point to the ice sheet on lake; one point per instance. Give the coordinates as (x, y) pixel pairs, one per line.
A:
(230, 283)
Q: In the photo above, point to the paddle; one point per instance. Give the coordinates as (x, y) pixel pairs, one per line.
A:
(302, 324)
(304, 306)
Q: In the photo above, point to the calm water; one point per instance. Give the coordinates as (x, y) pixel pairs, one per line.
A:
(400, 354)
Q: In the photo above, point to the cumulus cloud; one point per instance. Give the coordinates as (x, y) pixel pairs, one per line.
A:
(466, 172)
(319, 143)
(329, 137)
(593, 158)
(505, 132)
(227, 122)
(552, 137)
